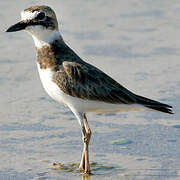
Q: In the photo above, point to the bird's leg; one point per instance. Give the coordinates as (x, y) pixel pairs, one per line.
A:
(86, 133)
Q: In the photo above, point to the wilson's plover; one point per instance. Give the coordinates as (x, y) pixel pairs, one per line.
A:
(71, 81)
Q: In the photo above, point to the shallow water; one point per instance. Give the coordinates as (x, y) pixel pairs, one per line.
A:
(135, 42)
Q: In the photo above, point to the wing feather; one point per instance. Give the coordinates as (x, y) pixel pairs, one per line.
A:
(85, 81)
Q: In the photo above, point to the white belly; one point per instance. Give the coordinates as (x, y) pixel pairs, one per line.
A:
(76, 103)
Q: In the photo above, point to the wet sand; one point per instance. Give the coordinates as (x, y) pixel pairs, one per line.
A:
(135, 42)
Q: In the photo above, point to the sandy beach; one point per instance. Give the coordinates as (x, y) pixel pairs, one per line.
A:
(135, 42)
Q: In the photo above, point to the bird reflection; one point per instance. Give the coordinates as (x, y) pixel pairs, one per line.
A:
(86, 177)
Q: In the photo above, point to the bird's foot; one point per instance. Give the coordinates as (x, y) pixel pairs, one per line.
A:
(82, 170)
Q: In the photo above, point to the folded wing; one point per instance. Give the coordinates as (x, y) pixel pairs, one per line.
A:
(84, 81)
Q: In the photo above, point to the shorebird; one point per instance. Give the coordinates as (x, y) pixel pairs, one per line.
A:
(71, 81)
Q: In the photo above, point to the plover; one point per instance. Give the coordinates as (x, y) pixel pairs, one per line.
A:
(71, 81)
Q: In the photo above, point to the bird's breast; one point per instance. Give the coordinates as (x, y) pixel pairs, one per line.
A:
(46, 76)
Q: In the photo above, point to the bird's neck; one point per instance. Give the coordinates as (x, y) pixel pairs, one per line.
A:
(45, 38)
(50, 50)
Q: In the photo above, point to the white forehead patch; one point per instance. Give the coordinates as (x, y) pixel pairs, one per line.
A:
(27, 15)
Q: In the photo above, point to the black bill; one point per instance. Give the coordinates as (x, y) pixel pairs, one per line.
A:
(17, 27)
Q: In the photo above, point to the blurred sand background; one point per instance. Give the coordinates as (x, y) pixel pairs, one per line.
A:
(135, 42)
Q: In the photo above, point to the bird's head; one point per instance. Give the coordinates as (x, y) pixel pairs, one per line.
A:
(39, 21)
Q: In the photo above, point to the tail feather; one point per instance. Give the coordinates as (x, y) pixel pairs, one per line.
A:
(154, 104)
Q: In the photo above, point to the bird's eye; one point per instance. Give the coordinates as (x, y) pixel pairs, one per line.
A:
(41, 16)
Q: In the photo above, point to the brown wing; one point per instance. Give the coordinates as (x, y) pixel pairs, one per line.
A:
(84, 81)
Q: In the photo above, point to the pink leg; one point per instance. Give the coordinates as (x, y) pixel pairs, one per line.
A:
(86, 133)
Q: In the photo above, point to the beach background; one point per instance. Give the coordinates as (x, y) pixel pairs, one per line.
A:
(137, 42)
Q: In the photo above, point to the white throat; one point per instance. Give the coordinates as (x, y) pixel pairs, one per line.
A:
(45, 37)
